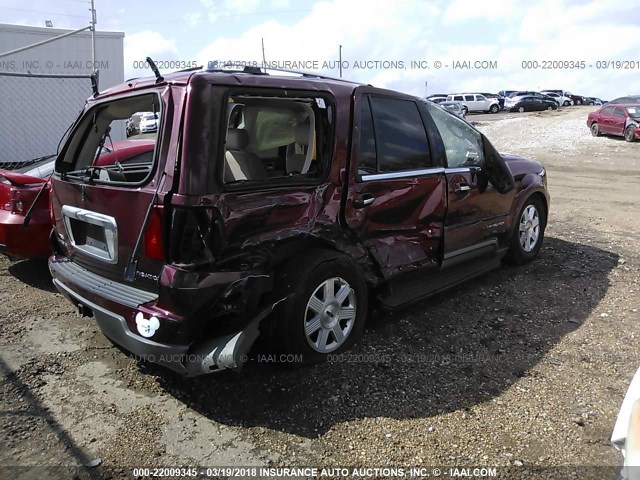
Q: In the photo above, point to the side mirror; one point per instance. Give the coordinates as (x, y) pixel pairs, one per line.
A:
(497, 170)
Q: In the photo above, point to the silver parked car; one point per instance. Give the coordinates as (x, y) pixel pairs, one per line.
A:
(474, 102)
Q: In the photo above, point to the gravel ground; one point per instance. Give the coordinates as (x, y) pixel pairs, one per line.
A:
(523, 369)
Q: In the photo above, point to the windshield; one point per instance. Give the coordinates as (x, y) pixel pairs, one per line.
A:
(43, 170)
(633, 112)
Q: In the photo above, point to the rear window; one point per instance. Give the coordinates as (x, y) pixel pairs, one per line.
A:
(107, 145)
(272, 138)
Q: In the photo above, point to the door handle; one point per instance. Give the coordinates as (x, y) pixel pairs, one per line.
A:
(462, 187)
(363, 200)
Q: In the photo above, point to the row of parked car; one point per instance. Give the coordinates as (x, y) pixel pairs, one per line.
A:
(142, 122)
(513, 100)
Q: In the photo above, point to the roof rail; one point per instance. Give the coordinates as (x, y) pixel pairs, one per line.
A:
(256, 70)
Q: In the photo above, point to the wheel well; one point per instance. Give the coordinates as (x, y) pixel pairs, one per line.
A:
(298, 247)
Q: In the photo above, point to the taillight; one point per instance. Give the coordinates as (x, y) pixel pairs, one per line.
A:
(15, 203)
(153, 244)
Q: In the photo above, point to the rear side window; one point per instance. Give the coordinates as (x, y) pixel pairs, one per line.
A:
(114, 142)
(400, 137)
(273, 138)
(468, 98)
(458, 98)
(367, 162)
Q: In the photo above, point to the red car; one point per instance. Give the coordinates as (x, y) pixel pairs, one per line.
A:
(619, 120)
(18, 190)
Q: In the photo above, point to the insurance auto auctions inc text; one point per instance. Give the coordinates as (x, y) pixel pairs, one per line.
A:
(375, 472)
(357, 64)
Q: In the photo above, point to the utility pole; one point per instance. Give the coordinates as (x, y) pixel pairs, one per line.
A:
(340, 57)
(93, 34)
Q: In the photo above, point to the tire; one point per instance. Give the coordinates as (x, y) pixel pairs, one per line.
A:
(578, 102)
(465, 110)
(566, 103)
(550, 107)
(494, 108)
(528, 232)
(630, 134)
(311, 322)
(591, 103)
(595, 129)
(521, 109)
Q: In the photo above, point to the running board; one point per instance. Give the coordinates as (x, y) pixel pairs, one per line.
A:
(418, 286)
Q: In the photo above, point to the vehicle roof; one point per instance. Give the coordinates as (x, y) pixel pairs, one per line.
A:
(279, 79)
(624, 105)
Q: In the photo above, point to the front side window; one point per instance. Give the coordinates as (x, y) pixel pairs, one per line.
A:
(270, 137)
(607, 111)
(462, 143)
(114, 142)
(618, 113)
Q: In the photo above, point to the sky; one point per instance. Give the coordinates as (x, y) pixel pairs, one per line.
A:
(415, 46)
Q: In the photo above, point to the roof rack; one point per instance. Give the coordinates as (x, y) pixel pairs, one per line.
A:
(255, 70)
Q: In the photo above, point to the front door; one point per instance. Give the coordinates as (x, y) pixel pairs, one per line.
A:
(618, 121)
(476, 212)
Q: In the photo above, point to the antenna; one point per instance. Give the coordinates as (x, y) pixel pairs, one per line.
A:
(264, 58)
(340, 59)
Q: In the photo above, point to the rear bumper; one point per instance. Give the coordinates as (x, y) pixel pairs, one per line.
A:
(115, 328)
(122, 311)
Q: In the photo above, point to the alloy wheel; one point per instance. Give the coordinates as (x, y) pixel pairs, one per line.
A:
(330, 315)
(529, 228)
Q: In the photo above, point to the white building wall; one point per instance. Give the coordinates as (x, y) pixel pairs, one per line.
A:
(35, 112)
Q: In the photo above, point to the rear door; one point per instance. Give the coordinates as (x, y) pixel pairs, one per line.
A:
(605, 120)
(397, 191)
(470, 100)
(476, 213)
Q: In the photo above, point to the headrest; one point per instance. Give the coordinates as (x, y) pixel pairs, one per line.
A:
(302, 132)
(237, 139)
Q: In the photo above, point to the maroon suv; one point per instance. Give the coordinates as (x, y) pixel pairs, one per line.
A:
(277, 205)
